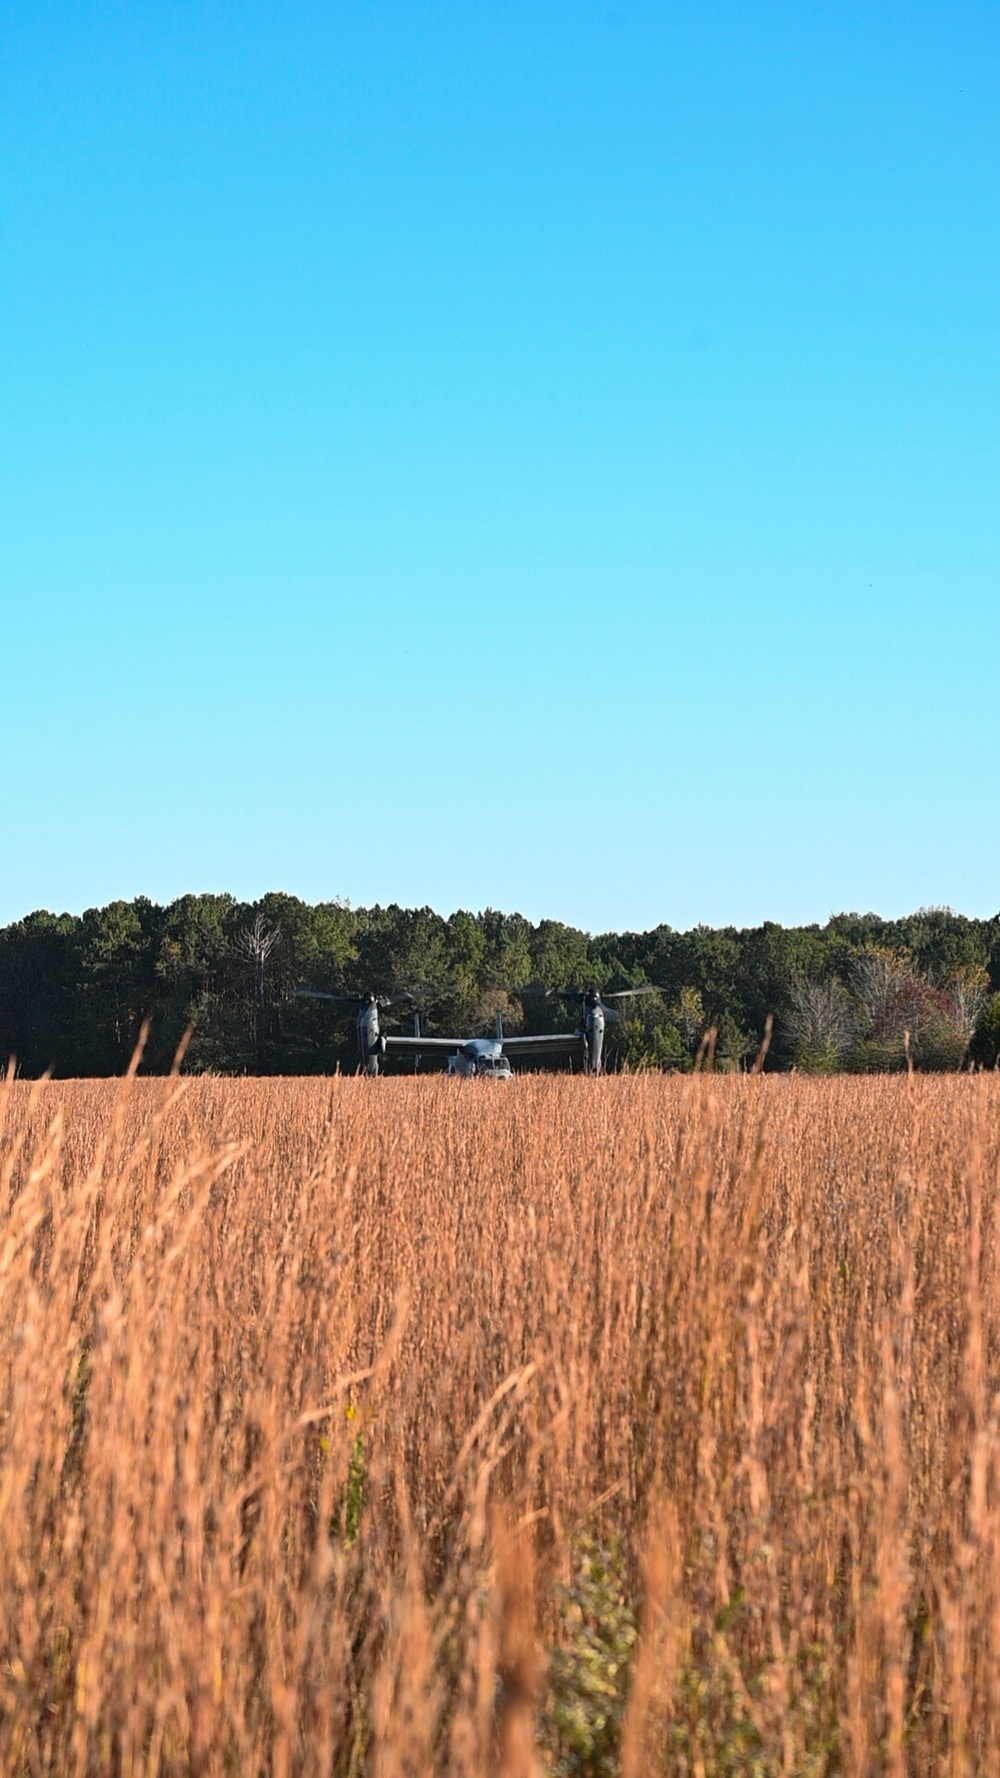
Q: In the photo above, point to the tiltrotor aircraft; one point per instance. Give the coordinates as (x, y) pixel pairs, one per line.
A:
(482, 1057)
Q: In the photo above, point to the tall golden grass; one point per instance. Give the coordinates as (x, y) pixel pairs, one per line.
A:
(417, 1426)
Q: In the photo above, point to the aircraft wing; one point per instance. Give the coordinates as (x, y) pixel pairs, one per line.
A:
(551, 1043)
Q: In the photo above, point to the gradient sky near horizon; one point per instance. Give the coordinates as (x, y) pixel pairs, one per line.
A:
(541, 456)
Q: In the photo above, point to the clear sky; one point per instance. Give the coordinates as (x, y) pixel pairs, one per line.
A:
(538, 455)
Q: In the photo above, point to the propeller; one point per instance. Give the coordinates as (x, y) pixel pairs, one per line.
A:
(618, 994)
(319, 994)
(611, 1013)
(355, 999)
(627, 993)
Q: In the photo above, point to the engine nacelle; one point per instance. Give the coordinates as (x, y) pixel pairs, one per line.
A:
(593, 1031)
(371, 1043)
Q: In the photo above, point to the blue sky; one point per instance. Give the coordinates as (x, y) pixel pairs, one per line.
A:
(541, 456)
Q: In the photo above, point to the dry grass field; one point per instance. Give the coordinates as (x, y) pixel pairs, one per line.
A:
(413, 1426)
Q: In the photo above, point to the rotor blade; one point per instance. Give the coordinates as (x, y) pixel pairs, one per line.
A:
(424, 994)
(627, 993)
(318, 994)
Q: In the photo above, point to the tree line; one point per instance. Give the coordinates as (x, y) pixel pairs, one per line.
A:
(858, 993)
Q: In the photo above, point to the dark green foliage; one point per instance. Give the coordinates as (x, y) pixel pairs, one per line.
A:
(74, 991)
(589, 1668)
(986, 1043)
(721, 1706)
(346, 1522)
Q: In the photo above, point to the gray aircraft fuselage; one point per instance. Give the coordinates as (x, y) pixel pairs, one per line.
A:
(482, 1058)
